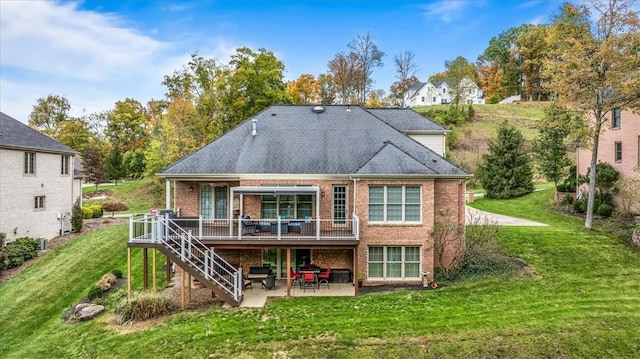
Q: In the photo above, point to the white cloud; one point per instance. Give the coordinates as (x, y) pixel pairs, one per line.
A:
(93, 59)
(445, 10)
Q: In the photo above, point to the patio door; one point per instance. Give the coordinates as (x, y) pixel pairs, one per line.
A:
(276, 258)
(213, 202)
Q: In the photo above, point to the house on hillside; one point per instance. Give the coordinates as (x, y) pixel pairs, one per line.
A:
(38, 182)
(619, 145)
(341, 187)
(440, 93)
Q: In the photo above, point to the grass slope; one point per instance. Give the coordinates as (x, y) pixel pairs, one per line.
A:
(583, 300)
(136, 195)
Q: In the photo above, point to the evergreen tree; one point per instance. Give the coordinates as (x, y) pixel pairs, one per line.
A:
(76, 217)
(549, 149)
(505, 171)
(115, 168)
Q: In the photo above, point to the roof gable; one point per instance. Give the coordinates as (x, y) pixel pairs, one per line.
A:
(406, 119)
(16, 135)
(392, 160)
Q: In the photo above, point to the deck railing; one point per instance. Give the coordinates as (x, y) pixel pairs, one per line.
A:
(253, 229)
(189, 249)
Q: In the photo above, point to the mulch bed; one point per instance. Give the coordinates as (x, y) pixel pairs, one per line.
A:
(390, 288)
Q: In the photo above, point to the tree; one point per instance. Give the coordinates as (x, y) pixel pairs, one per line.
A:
(114, 207)
(327, 89)
(405, 73)
(505, 171)
(305, 90)
(399, 90)
(75, 133)
(502, 52)
(346, 73)
(93, 164)
(532, 48)
(549, 149)
(593, 67)
(128, 126)
(76, 216)
(368, 57)
(461, 75)
(114, 166)
(49, 113)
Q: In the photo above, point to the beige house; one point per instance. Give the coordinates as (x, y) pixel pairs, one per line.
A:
(333, 187)
(38, 182)
(619, 146)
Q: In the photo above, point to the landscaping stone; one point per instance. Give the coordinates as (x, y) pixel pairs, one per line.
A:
(635, 238)
(86, 311)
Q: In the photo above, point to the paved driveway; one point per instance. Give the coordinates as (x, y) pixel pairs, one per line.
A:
(480, 217)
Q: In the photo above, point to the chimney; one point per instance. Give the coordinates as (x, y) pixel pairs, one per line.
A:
(254, 130)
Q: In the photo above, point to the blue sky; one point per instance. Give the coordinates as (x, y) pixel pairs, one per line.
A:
(98, 52)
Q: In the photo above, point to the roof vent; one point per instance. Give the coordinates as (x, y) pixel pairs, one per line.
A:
(318, 109)
(254, 130)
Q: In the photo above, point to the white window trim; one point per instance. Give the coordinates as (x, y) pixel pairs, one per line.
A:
(43, 203)
(33, 164)
(402, 262)
(404, 203)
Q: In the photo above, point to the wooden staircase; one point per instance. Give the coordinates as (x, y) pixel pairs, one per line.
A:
(199, 260)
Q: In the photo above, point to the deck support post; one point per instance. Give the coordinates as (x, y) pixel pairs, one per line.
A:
(288, 272)
(153, 273)
(182, 290)
(167, 270)
(128, 272)
(189, 283)
(355, 270)
(145, 268)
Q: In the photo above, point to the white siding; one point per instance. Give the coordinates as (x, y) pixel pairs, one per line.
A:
(18, 217)
(434, 142)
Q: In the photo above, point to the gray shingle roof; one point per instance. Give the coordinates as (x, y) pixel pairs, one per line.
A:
(293, 139)
(16, 135)
(406, 120)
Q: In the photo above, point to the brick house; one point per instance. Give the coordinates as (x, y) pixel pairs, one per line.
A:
(619, 145)
(338, 186)
(38, 182)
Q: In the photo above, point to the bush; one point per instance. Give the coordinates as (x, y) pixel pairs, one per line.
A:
(580, 205)
(117, 273)
(3, 256)
(106, 281)
(605, 210)
(143, 306)
(567, 200)
(20, 250)
(87, 213)
(97, 210)
(94, 293)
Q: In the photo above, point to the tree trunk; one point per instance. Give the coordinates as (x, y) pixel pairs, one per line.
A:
(592, 174)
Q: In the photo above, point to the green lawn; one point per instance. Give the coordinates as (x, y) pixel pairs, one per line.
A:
(582, 300)
(136, 195)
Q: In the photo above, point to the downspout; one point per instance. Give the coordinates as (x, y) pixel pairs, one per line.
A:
(167, 195)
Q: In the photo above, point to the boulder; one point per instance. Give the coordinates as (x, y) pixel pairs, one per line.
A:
(86, 311)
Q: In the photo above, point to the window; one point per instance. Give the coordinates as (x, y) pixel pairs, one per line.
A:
(394, 204)
(213, 202)
(394, 262)
(434, 99)
(287, 205)
(444, 90)
(64, 164)
(39, 202)
(615, 118)
(339, 204)
(618, 149)
(422, 99)
(30, 163)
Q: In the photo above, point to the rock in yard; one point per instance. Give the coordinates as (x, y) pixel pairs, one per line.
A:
(86, 311)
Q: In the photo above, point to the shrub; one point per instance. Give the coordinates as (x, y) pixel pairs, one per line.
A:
(605, 210)
(20, 250)
(106, 281)
(77, 216)
(143, 306)
(87, 213)
(94, 293)
(3, 256)
(97, 210)
(580, 205)
(567, 200)
(117, 273)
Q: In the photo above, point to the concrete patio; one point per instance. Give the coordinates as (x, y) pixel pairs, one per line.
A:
(256, 297)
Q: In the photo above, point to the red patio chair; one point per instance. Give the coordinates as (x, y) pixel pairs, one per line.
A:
(295, 277)
(324, 277)
(309, 280)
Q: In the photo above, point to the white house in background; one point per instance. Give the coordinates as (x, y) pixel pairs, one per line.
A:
(38, 182)
(428, 94)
